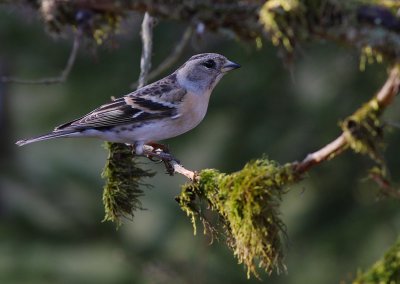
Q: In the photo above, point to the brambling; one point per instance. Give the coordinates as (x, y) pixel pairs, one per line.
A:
(161, 110)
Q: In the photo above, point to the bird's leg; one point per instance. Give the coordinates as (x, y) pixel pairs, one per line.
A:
(137, 148)
(157, 152)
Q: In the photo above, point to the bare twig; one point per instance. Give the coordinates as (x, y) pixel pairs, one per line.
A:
(171, 59)
(390, 89)
(325, 153)
(147, 41)
(384, 98)
(52, 80)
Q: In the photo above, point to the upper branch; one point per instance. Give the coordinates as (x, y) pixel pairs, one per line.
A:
(361, 24)
(383, 98)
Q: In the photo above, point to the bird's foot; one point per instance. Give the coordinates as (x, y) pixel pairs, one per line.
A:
(160, 153)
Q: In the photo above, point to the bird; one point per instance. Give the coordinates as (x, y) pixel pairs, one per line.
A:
(161, 110)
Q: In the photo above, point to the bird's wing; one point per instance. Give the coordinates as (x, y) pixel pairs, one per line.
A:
(158, 100)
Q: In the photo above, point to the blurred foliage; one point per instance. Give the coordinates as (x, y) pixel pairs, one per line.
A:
(49, 199)
(385, 271)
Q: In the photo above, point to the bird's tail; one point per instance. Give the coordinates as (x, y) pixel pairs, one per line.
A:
(56, 134)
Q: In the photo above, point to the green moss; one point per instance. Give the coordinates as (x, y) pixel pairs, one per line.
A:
(364, 131)
(247, 204)
(385, 271)
(364, 135)
(123, 179)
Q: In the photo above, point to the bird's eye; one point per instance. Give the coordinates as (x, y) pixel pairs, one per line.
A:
(209, 64)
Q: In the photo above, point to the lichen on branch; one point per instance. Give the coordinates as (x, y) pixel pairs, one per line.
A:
(363, 131)
(247, 205)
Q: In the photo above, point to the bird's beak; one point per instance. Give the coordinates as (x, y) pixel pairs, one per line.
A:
(229, 65)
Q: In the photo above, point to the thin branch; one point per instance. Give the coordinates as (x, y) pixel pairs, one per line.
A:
(384, 98)
(325, 153)
(390, 89)
(52, 80)
(171, 59)
(147, 41)
(385, 185)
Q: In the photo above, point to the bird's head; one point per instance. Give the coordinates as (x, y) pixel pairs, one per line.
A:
(203, 71)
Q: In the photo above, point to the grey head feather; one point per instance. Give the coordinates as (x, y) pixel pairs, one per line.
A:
(201, 72)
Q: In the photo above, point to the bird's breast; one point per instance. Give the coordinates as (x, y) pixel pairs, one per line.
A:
(193, 109)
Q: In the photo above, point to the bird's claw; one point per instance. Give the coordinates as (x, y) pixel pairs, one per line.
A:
(160, 153)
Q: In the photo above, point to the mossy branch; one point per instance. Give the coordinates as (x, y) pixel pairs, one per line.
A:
(247, 207)
(362, 131)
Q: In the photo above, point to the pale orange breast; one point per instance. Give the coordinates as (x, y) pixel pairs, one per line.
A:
(193, 109)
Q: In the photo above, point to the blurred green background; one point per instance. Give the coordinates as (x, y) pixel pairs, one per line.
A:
(50, 192)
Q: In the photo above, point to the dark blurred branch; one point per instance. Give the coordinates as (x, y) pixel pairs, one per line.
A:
(238, 16)
(169, 60)
(52, 80)
(147, 43)
(383, 98)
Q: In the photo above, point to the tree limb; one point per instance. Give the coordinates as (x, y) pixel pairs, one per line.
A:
(325, 153)
(384, 98)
